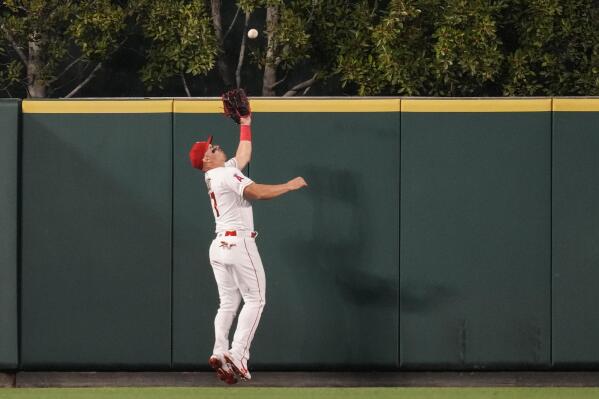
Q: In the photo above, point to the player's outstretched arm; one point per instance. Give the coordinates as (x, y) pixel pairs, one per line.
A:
(244, 149)
(257, 191)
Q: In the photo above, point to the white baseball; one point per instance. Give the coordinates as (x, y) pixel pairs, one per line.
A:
(252, 33)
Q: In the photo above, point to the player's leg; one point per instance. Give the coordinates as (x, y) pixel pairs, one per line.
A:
(229, 298)
(250, 278)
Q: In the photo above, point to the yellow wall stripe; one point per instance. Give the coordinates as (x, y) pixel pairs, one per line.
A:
(97, 106)
(294, 105)
(313, 105)
(576, 104)
(198, 106)
(476, 105)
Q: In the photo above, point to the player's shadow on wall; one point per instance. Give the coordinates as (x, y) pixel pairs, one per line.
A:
(424, 297)
(342, 234)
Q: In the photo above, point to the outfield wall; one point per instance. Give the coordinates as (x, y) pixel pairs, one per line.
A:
(434, 234)
(9, 171)
(575, 233)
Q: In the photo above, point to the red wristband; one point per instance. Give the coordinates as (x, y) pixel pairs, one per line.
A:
(245, 133)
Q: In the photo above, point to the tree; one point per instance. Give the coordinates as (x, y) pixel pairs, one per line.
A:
(426, 47)
(11, 72)
(467, 50)
(555, 48)
(326, 24)
(298, 44)
(286, 39)
(224, 69)
(330, 47)
(56, 46)
(473, 48)
(180, 40)
(356, 60)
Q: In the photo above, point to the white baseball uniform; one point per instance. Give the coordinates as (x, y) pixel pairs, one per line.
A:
(235, 261)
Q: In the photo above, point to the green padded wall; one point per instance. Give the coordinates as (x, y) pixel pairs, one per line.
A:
(330, 251)
(475, 234)
(575, 232)
(9, 139)
(487, 262)
(96, 235)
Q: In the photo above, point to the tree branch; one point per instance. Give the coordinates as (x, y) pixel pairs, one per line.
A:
(65, 84)
(216, 20)
(185, 84)
(86, 81)
(270, 69)
(232, 23)
(15, 45)
(223, 68)
(306, 84)
(275, 84)
(242, 50)
(374, 8)
(65, 70)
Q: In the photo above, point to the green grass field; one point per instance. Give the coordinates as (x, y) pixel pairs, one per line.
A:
(299, 393)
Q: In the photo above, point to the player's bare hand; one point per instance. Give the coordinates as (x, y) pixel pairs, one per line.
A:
(245, 120)
(296, 183)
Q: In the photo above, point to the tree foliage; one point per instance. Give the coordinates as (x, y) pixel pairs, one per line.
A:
(473, 48)
(52, 43)
(321, 47)
(287, 37)
(180, 39)
(429, 47)
(555, 49)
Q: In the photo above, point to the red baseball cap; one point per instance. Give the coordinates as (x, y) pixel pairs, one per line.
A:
(196, 155)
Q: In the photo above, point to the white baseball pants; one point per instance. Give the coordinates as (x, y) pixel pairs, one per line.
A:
(239, 275)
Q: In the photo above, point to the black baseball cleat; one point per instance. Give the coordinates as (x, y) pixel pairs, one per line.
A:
(223, 370)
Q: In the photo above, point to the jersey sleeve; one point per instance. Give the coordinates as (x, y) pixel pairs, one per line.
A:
(232, 163)
(237, 181)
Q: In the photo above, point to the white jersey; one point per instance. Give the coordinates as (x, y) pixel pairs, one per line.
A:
(225, 189)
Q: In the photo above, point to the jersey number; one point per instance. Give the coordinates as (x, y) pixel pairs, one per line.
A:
(214, 203)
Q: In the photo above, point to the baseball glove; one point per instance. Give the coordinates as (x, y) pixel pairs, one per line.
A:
(236, 104)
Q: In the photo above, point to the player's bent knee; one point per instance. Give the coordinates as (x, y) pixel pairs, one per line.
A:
(254, 300)
(229, 305)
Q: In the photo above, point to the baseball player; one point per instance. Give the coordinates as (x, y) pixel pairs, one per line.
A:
(234, 256)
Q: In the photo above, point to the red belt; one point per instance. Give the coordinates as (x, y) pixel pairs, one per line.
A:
(233, 233)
